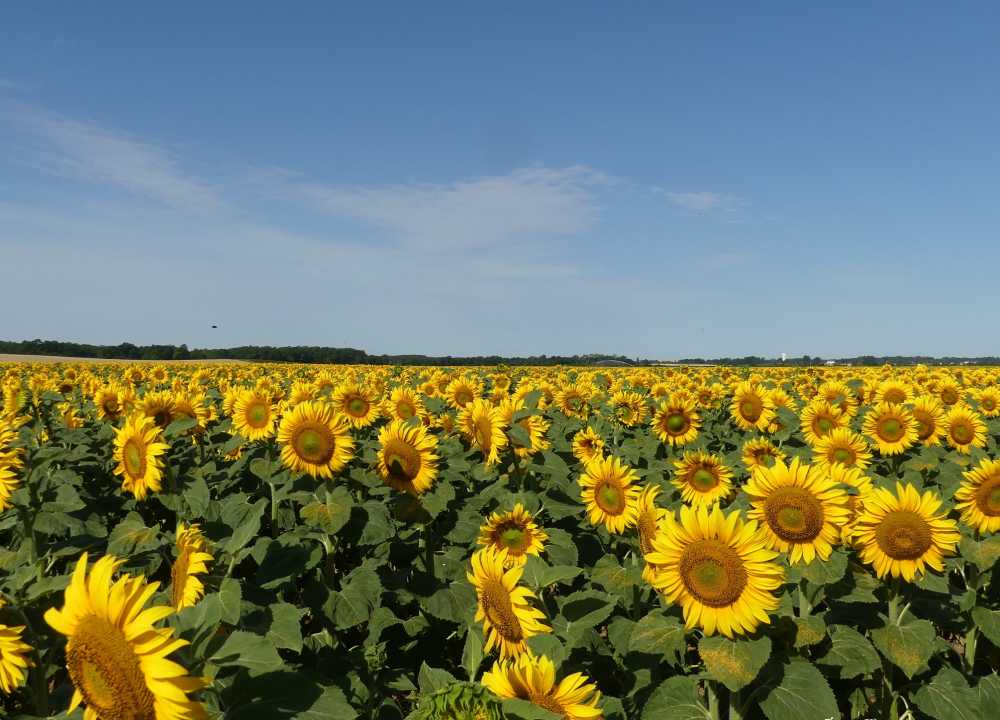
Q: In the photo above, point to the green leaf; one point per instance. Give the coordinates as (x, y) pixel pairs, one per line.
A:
(826, 572)
(254, 652)
(360, 594)
(988, 622)
(614, 578)
(431, 679)
(983, 554)
(230, 597)
(677, 699)
(800, 692)
(809, 630)
(583, 611)
(523, 710)
(472, 652)
(988, 694)
(456, 603)
(850, 652)
(245, 521)
(286, 630)
(734, 663)
(131, 536)
(656, 634)
(378, 525)
(908, 647)
(948, 697)
(331, 514)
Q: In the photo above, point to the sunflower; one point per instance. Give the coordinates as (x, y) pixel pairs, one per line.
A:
(841, 447)
(702, 478)
(192, 560)
(892, 391)
(254, 416)
(14, 660)
(760, 452)
(718, 568)
(533, 678)
(799, 508)
(900, 534)
(964, 428)
(676, 421)
(929, 417)
(587, 445)
(649, 516)
(70, 418)
(979, 497)
(609, 495)
(629, 408)
(482, 425)
(315, 439)
(406, 458)
(503, 606)
(574, 401)
(818, 419)
(461, 391)
(891, 428)
(109, 403)
(989, 401)
(949, 391)
(840, 395)
(138, 448)
(534, 427)
(357, 404)
(116, 658)
(404, 404)
(751, 407)
(9, 481)
(159, 406)
(515, 534)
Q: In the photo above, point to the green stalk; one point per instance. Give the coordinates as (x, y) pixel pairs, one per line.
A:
(804, 606)
(712, 698)
(735, 709)
(971, 640)
(428, 540)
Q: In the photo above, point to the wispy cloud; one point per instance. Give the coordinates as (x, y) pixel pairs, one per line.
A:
(489, 211)
(701, 201)
(101, 155)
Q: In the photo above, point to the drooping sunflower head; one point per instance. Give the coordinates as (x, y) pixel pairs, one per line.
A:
(9, 481)
(515, 534)
(254, 416)
(840, 395)
(901, 534)
(315, 439)
(751, 407)
(138, 447)
(978, 497)
(533, 678)
(718, 568)
(676, 421)
(608, 493)
(504, 607)
(891, 428)
(357, 403)
(649, 516)
(116, 657)
(819, 418)
(964, 429)
(841, 447)
(14, 658)
(702, 478)
(406, 457)
(760, 452)
(799, 507)
(483, 427)
(192, 560)
(587, 445)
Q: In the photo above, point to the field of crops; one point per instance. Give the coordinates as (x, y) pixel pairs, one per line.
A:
(252, 541)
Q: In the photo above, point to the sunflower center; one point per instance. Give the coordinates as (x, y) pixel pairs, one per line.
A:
(824, 425)
(162, 418)
(713, 573)
(843, 455)
(949, 397)
(314, 443)
(751, 409)
(924, 428)
(106, 671)
(676, 423)
(895, 396)
(903, 535)
(988, 497)
(257, 415)
(794, 514)
(766, 459)
(546, 701)
(890, 429)
(987, 403)
(514, 538)
(110, 406)
(703, 479)
(133, 455)
(402, 460)
(357, 407)
(463, 398)
(497, 607)
(961, 433)
(405, 411)
(610, 498)
(484, 433)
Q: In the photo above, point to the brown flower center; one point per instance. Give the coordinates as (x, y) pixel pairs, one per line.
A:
(713, 573)
(794, 514)
(903, 535)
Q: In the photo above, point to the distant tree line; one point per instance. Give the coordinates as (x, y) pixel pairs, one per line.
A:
(868, 360)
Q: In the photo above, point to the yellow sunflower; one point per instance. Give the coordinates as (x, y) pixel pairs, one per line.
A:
(928, 414)
(315, 440)
(718, 568)
(587, 445)
(988, 399)
(609, 495)
(14, 660)
(9, 481)
(819, 418)
(192, 560)
(159, 406)
(978, 497)
(893, 392)
(628, 408)
(462, 391)
(841, 447)
(254, 416)
(115, 656)
(515, 534)
(760, 452)
(949, 391)
(859, 486)
(574, 401)
(482, 425)
(357, 404)
(702, 478)
(751, 407)
(403, 404)
(676, 421)
(964, 429)
(109, 403)
(891, 428)
(533, 678)
(534, 426)
(900, 534)
(649, 517)
(406, 457)
(503, 606)
(138, 448)
(799, 508)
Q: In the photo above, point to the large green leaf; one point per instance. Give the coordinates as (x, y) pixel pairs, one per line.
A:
(254, 652)
(948, 697)
(908, 646)
(734, 663)
(677, 699)
(850, 653)
(331, 514)
(798, 691)
(657, 634)
(988, 623)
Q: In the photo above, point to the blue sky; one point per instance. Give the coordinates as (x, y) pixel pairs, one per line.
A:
(665, 181)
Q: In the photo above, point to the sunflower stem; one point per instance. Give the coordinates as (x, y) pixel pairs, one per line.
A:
(804, 607)
(971, 639)
(428, 538)
(712, 698)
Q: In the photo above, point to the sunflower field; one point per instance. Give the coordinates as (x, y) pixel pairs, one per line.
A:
(695, 543)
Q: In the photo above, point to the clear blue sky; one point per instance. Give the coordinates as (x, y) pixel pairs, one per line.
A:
(665, 180)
